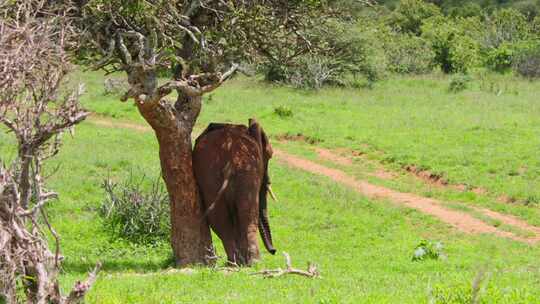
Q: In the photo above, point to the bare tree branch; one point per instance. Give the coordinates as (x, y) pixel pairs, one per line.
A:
(192, 86)
(311, 272)
(33, 65)
(81, 288)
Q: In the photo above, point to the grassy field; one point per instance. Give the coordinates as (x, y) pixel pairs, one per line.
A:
(487, 136)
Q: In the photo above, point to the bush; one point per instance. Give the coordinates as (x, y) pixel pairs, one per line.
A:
(283, 111)
(527, 62)
(428, 250)
(312, 72)
(354, 52)
(453, 41)
(535, 28)
(500, 59)
(528, 9)
(505, 26)
(274, 71)
(135, 214)
(409, 54)
(410, 14)
(505, 32)
(459, 83)
(465, 10)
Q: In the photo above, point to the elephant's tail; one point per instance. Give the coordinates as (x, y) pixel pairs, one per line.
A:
(227, 172)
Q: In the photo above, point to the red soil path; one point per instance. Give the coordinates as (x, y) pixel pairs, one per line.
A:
(460, 220)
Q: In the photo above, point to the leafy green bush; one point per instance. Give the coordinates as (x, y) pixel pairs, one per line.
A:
(283, 111)
(133, 212)
(469, 9)
(527, 61)
(454, 43)
(500, 59)
(535, 27)
(505, 32)
(409, 54)
(529, 9)
(459, 82)
(409, 15)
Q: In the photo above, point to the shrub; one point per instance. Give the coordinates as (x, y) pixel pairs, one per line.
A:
(312, 72)
(500, 59)
(505, 32)
(459, 83)
(410, 14)
(283, 111)
(360, 52)
(274, 71)
(354, 52)
(409, 54)
(527, 62)
(131, 212)
(454, 43)
(535, 27)
(428, 250)
(505, 25)
(469, 9)
(528, 9)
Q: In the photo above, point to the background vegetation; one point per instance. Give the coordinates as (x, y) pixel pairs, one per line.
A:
(418, 37)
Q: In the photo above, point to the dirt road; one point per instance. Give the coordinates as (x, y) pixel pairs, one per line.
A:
(460, 220)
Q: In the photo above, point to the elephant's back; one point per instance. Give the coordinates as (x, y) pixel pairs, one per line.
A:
(228, 144)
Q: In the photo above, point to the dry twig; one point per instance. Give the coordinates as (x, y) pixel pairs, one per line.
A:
(312, 271)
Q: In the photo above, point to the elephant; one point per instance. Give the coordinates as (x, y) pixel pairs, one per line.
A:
(230, 164)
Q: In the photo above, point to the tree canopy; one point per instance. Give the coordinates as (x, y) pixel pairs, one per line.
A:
(195, 37)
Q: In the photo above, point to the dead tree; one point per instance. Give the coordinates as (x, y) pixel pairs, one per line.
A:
(201, 43)
(33, 66)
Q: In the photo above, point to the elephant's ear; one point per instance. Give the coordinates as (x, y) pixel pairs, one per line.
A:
(256, 131)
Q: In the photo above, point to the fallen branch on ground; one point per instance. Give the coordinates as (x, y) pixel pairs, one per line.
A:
(312, 271)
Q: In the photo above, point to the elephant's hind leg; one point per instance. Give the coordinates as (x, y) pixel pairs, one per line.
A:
(223, 225)
(247, 237)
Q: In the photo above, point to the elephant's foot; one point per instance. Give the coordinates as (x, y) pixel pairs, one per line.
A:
(247, 257)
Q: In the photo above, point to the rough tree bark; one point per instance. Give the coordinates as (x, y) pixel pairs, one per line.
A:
(190, 236)
(173, 124)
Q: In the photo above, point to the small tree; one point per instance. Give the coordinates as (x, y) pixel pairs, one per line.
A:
(201, 43)
(33, 64)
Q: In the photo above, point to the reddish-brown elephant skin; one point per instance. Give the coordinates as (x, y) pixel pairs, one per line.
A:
(231, 168)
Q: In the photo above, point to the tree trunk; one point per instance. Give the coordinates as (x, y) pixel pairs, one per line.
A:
(190, 237)
(24, 175)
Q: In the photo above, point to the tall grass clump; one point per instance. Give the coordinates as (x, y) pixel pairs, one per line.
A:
(136, 210)
(459, 83)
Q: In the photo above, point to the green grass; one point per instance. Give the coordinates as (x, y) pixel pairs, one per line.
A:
(476, 137)
(362, 247)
